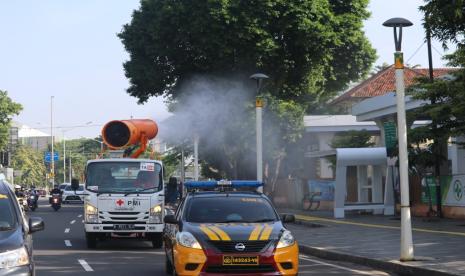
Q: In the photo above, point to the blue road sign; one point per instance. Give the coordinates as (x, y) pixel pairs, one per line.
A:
(47, 156)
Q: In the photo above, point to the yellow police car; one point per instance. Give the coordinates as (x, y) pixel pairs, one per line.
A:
(227, 227)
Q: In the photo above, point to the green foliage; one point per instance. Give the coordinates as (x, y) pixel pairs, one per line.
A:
(446, 111)
(31, 165)
(79, 151)
(350, 139)
(310, 48)
(8, 108)
(446, 19)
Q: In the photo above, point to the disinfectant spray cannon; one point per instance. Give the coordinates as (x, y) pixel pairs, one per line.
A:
(129, 135)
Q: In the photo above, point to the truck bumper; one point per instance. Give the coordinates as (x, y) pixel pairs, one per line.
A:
(138, 228)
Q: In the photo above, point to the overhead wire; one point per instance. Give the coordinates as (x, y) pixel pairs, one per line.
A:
(416, 51)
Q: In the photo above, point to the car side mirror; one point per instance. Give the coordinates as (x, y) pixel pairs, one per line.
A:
(170, 219)
(287, 218)
(74, 184)
(36, 224)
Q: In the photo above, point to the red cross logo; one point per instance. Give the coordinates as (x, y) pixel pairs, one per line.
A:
(120, 202)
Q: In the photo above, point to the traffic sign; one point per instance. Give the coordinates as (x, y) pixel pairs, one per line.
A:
(48, 155)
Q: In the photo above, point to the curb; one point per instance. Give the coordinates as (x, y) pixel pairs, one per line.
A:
(399, 268)
(309, 224)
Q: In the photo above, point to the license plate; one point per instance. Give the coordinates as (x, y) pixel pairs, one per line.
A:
(240, 260)
(124, 227)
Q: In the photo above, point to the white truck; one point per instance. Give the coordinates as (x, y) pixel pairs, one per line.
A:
(124, 197)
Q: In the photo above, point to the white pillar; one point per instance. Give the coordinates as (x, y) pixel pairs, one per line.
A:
(406, 242)
(258, 110)
(389, 188)
(377, 188)
(340, 191)
(362, 183)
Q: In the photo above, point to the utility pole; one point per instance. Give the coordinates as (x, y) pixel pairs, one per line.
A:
(196, 157)
(70, 168)
(64, 158)
(437, 146)
(52, 154)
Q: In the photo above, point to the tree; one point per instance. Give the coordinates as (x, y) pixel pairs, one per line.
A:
(350, 139)
(79, 151)
(8, 108)
(310, 48)
(445, 19)
(30, 163)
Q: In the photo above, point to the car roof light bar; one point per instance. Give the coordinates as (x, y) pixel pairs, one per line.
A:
(223, 183)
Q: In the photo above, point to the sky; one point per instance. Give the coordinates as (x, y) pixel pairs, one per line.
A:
(69, 50)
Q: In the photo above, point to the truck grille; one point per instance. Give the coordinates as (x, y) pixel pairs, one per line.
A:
(124, 217)
(250, 246)
(124, 213)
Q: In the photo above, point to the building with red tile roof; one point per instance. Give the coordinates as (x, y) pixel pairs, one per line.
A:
(382, 83)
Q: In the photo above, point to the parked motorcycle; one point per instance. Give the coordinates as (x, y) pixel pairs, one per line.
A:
(32, 202)
(55, 201)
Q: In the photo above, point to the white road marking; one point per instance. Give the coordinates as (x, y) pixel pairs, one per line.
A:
(85, 265)
(79, 216)
(68, 243)
(73, 221)
(338, 266)
(67, 230)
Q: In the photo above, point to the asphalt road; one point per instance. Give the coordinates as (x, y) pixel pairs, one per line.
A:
(61, 250)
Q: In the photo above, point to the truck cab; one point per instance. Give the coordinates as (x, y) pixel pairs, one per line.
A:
(124, 199)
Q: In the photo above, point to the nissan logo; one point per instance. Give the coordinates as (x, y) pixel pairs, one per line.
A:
(240, 247)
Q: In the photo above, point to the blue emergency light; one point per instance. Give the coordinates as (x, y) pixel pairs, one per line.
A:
(223, 184)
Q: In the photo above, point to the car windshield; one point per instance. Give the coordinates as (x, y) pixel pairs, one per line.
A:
(229, 209)
(124, 177)
(7, 219)
(80, 189)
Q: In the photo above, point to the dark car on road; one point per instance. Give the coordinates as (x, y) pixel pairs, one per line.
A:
(16, 257)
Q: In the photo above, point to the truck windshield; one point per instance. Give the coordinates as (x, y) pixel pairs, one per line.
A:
(124, 177)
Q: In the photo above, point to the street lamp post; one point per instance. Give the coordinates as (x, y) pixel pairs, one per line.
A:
(64, 158)
(52, 154)
(406, 243)
(196, 157)
(259, 77)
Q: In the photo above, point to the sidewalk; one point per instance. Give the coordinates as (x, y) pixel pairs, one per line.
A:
(375, 240)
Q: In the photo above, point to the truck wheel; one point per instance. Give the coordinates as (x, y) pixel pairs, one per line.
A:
(91, 240)
(157, 240)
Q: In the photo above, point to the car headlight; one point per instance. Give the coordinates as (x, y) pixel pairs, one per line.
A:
(14, 258)
(91, 213)
(186, 239)
(286, 240)
(156, 214)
